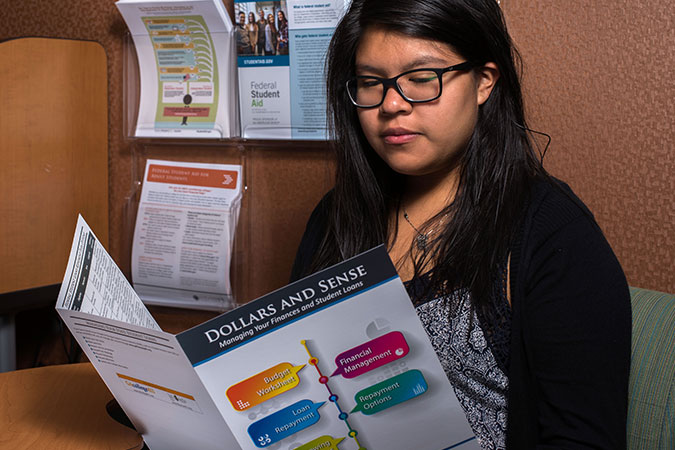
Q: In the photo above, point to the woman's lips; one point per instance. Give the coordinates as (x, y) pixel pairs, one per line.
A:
(398, 136)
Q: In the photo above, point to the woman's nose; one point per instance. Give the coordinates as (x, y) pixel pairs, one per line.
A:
(394, 102)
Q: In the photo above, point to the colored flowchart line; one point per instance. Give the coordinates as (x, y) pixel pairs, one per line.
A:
(342, 415)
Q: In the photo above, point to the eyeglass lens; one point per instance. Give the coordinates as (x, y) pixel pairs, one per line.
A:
(420, 85)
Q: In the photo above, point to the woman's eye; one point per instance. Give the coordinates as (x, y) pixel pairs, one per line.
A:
(426, 78)
(368, 83)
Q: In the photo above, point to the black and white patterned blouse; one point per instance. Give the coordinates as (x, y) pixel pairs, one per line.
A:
(474, 361)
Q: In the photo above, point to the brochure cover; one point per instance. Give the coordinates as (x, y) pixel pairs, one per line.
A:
(337, 360)
(281, 50)
(187, 72)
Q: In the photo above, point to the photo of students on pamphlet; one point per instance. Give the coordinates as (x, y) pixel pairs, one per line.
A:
(270, 36)
(261, 28)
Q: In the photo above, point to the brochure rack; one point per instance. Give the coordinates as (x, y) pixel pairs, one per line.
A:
(255, 157)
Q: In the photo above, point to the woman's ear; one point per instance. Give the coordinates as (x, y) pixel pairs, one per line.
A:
(487, 77)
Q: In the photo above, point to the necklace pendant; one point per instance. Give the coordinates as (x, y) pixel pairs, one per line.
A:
(421, 241)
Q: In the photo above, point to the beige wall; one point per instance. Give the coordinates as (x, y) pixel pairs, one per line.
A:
(597, 78)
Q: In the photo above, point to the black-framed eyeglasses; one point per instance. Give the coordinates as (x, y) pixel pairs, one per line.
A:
(415, 86)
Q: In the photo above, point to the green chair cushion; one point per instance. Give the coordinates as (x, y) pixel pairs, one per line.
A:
(651, 390)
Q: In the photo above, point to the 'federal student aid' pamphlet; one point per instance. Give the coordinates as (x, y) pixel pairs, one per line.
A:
(337, 360)
(281, 51)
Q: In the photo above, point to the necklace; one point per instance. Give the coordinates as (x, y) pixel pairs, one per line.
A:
(421, 239)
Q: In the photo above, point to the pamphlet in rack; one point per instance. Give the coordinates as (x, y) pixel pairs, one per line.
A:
(184, 234)
(338, 360)
(281, 50)
(186, 57)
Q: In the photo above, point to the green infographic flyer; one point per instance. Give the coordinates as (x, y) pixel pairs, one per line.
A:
(185, 53)
(187, 71)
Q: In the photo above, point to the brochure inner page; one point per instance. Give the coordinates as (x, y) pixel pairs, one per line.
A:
(144, 368)
(154, 383)
(336, 360)
(94, 284)
(184, 234)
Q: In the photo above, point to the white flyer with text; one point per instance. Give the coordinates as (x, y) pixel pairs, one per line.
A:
(184, 234)
(144, 368)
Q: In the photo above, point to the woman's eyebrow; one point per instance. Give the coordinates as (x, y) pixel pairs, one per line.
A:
(426, 61)
(367, 68)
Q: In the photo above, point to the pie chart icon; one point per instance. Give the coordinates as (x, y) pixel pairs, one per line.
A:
(378, 327)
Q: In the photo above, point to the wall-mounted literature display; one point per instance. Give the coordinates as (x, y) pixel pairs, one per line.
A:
(281, 50)
(185, 50)
(180, 108)
(195, 74)
(277, 196)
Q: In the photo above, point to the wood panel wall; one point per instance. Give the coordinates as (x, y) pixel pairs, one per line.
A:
(596, 78)
(51, 167)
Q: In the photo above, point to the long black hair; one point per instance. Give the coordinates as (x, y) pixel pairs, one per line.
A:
(496, 168)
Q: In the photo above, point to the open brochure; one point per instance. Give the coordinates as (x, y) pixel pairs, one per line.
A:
(184, 234)
(281, 51)
(185, 54)
(337, 360)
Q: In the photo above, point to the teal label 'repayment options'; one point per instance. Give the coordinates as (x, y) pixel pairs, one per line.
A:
(390, 392)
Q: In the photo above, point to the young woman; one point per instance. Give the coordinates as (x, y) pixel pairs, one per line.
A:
(522, 297)
(252, 29)
(270, 36)
(282, 41)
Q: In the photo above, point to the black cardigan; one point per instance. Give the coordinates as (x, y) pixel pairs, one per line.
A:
(570, 329)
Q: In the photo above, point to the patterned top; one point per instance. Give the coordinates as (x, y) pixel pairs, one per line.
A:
(474, 361)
